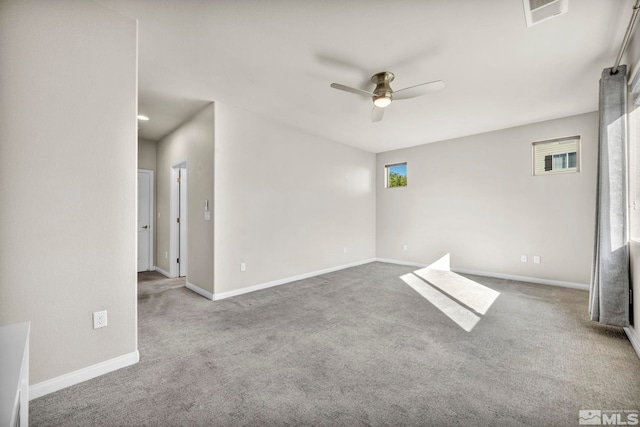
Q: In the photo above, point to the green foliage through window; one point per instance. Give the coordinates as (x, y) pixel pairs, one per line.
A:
(397, 180)
(396, 175)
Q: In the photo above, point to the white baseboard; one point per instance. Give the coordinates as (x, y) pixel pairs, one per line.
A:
(633, 339)
(229, 294)
(536, 280)
(161, 271)
(399, 262)
(200, 291)
(81, 375)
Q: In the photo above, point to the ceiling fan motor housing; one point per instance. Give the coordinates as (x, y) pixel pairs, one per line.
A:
(383, 89)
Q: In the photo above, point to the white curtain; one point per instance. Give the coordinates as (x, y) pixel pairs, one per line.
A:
(609, 294)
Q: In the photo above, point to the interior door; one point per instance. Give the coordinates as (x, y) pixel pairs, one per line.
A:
(183, 222)
(144, 221)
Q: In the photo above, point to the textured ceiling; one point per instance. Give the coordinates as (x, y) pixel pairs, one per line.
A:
(277, 58)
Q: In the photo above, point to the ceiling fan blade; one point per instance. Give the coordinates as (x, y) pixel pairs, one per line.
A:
(418, 90)
(376, 114)
(351, 89)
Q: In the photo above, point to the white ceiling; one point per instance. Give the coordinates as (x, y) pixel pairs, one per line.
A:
(166, 113)
(277, 58)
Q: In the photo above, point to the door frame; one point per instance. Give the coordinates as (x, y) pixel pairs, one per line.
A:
(151, 218)
(174, 208)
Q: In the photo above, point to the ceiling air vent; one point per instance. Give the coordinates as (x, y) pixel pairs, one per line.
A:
(537, 11)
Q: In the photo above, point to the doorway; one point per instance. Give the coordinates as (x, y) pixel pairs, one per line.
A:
(145, 220)
(178, 221)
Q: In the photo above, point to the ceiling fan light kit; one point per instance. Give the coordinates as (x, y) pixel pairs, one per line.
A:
(382, 101)
(383, 95)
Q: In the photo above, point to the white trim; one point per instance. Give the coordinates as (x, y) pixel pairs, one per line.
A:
(536, 280)
(200, 291)
(634, 341)
(81, 375)
(161, 271)
(236, 292)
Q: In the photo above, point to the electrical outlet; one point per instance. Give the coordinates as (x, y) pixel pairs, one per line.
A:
(536, 259)
(345, 249)
(166, 255)
(404, 247)
(523, 258)
(99, 319)
(243, 266)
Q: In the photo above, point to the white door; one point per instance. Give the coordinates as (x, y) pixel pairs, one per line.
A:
(178, 221)
(183, 222)
(145, 185)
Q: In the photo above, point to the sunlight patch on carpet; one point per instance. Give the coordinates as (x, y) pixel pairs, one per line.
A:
(462, 300)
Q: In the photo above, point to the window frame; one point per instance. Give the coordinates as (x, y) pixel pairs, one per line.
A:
(387, 169)
(576, 169)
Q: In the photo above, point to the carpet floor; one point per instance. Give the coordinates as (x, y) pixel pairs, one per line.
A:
(358, 347)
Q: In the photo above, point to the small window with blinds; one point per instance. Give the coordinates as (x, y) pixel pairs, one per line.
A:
(555, 156)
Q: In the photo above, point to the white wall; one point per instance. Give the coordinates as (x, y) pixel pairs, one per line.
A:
(68, 180)
(634, 218)
(193, 142)
(475, 198)
(286, 203)
(633, 56)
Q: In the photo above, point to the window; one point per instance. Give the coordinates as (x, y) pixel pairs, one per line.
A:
(395, 175)
(556, 156)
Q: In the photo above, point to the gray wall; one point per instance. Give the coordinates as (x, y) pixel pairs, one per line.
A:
(193, 142)
(67, 180)
(287, 203)
(147, 154)
(475, 198)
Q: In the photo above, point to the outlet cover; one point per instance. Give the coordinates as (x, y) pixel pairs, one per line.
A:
(243, 266)
(523, 258)
(404, 247)
(536, 259)
(99, 319)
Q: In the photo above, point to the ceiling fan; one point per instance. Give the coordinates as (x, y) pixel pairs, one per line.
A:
(382, 94)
